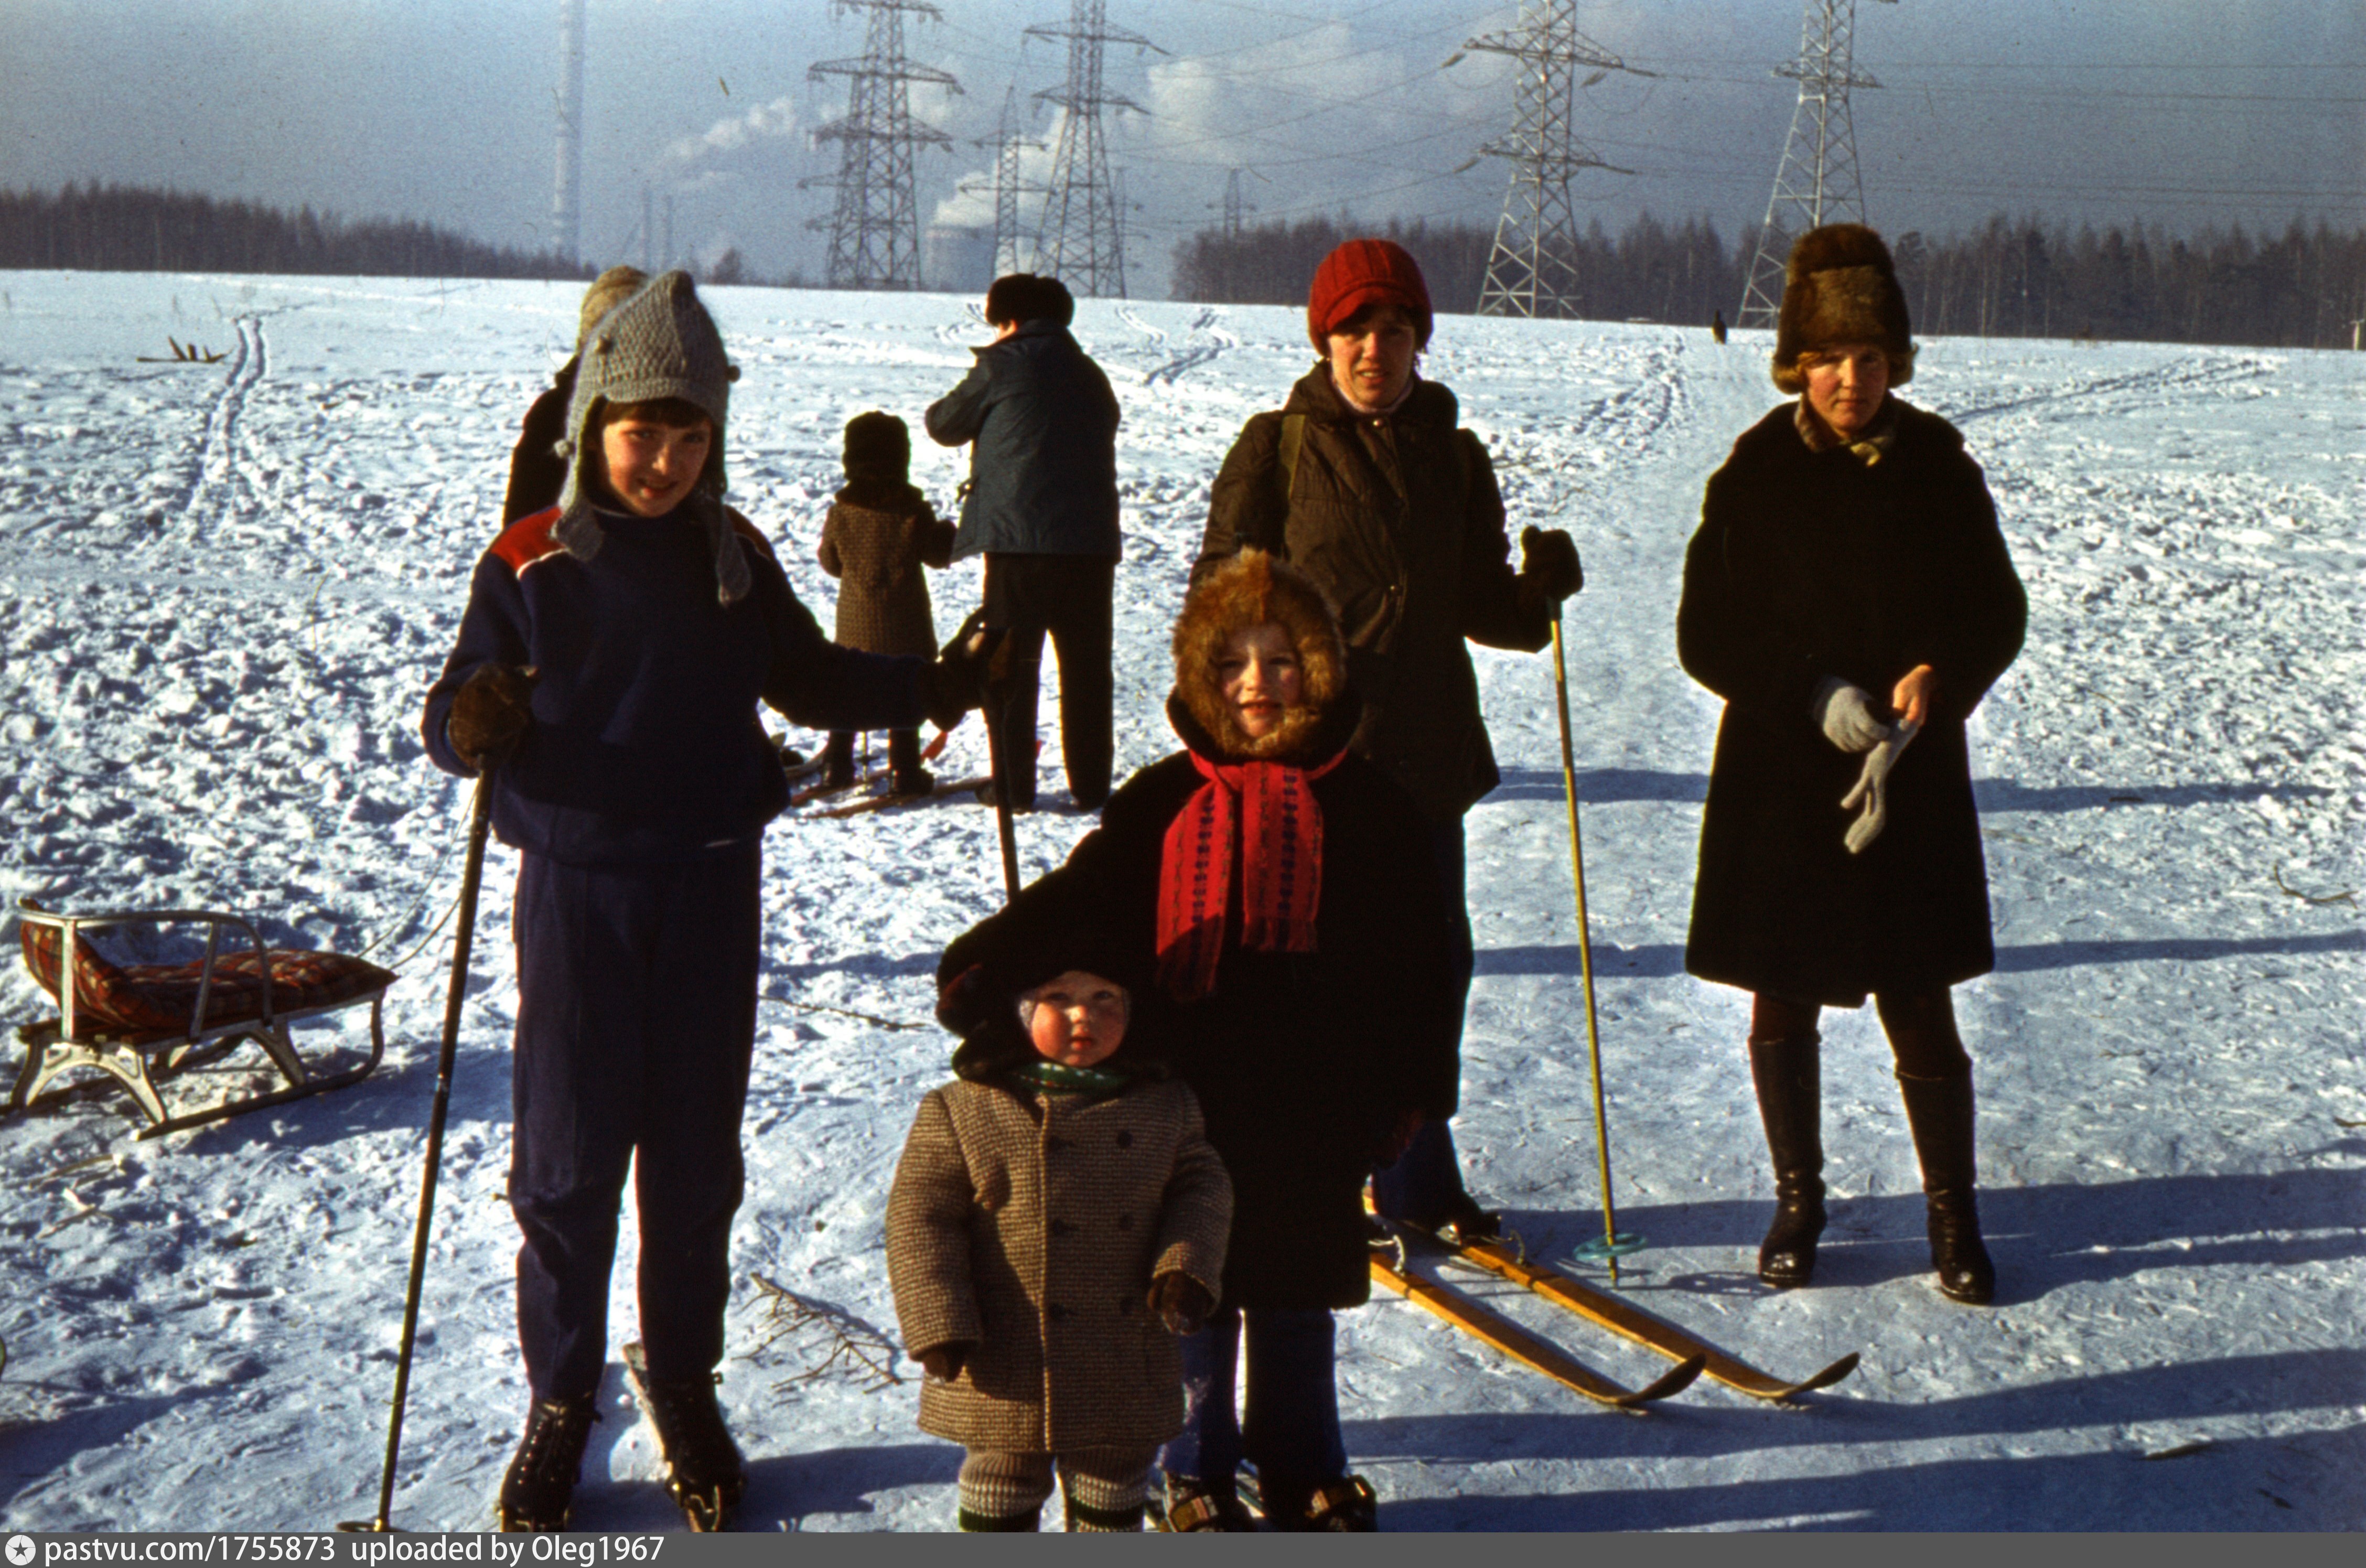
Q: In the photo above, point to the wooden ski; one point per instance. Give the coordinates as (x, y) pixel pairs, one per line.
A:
(882, 802)
(1629, 1322)
(1484, 1323)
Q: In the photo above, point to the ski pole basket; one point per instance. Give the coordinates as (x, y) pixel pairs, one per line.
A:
(140, 1023)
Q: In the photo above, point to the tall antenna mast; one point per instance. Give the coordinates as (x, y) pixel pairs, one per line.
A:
(566, 190)
(1081, 240)
(1009, 141)
(1532, 268)
(1817, 182)
(874, 231)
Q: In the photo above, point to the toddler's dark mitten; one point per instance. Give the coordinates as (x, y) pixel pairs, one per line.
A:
(490, 713)
(956, 681)
(1548, 563)
(1181, 1302)
(944, 1363)
(1397, 1138)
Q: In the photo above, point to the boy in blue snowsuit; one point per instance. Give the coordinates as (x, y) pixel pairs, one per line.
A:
(610, 662)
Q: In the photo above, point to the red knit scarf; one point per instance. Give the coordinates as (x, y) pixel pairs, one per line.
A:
(1281, 884)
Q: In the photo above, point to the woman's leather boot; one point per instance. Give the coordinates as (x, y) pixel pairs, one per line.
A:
(1939, 1110)
(1790, 1102)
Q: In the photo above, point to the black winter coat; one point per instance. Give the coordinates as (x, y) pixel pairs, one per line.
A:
(1302, 1061)
(1810, 565)
(1043, 476)
(1397, 517)
(537, 473)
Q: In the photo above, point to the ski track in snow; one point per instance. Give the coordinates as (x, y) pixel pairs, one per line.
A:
(229, 584)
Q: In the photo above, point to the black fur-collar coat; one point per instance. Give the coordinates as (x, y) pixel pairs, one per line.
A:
(1301, 1062)
(1810, 565)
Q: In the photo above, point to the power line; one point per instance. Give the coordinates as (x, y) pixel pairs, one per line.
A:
(1082, 238)
(875, 230)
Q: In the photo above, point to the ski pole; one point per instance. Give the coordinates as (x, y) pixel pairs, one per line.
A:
(998, 767)
(472, 873)
(1614, 1241)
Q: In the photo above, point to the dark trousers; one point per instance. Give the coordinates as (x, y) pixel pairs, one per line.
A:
(1424, 1183)
(1291, 1430)
(903, 752)
(1070, 598)
(637, 1019)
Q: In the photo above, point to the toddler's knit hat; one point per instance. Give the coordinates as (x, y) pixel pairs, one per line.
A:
(878, 444)
(659, 343)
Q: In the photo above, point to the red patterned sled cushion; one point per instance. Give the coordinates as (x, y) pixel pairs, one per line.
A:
(147, 999)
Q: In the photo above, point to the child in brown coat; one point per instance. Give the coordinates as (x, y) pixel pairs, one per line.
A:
(1058, 1220)
(879, 534)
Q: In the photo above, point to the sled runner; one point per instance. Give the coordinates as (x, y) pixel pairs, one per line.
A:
(141, 1023)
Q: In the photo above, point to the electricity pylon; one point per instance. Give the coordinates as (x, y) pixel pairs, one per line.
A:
(1009, 140)
(1082, 238)
(567, 189)
(1816, 181)
(1532, 268)
(875, 232)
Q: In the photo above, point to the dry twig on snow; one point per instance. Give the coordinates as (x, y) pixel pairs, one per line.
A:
(855, 1346)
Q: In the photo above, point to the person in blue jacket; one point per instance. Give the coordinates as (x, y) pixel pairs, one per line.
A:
(1042, 505)
(609, 663)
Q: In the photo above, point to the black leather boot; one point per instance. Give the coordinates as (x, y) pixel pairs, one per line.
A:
(1790, 1102)
(1939, 1110)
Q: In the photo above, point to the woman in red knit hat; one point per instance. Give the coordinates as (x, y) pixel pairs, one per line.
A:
(1365, 481)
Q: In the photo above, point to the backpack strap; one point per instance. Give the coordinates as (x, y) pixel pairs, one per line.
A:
(1293, 436)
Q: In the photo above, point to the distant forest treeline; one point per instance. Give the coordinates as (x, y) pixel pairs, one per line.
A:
(2004, 279)
(123, 229)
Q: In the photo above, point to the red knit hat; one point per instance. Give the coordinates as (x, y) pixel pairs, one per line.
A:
(1361, 272)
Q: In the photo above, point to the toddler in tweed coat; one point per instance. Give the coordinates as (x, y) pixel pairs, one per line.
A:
(1058, 1220)
(879, 534)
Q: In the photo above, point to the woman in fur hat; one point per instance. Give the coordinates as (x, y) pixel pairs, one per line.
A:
(1306, 982)
(1364, 481)
(878, 534)
(1850, 597)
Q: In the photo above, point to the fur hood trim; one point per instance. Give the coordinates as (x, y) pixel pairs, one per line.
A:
(1255, 589)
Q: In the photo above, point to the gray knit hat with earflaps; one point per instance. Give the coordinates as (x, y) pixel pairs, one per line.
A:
(659, 343)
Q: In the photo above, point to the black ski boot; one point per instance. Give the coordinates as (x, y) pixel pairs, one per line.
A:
(1790, 1103)
(538, 1492)
(1939, 1110)
(704, 1470)
(1191, 1507)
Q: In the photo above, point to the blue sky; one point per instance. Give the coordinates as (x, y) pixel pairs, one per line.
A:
(2176, 111)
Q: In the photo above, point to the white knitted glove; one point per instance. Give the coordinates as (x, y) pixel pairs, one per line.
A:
(1845, 713)
(1873, 788)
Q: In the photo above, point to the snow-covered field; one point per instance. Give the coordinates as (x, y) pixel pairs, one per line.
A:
(228, 586)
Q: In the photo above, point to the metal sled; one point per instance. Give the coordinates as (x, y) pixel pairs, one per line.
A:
(141, 1023)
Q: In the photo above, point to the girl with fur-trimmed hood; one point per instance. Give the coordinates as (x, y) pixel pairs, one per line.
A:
(1850, 597)
(1306, 985)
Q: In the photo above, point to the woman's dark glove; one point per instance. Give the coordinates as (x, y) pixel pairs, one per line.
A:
(1181, 1302)
(490, 713)
(944, 1363)
(956, 682)
(1548, 563)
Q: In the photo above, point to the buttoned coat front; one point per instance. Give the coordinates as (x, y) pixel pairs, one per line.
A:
(1030, 1225)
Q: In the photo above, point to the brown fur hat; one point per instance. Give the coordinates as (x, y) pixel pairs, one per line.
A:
(1839, 287)
(1253, 589)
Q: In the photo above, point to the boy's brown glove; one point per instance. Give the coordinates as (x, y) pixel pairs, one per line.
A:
(956, 682)
(944, 1363)
(490, 713)
(1181, 1302)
